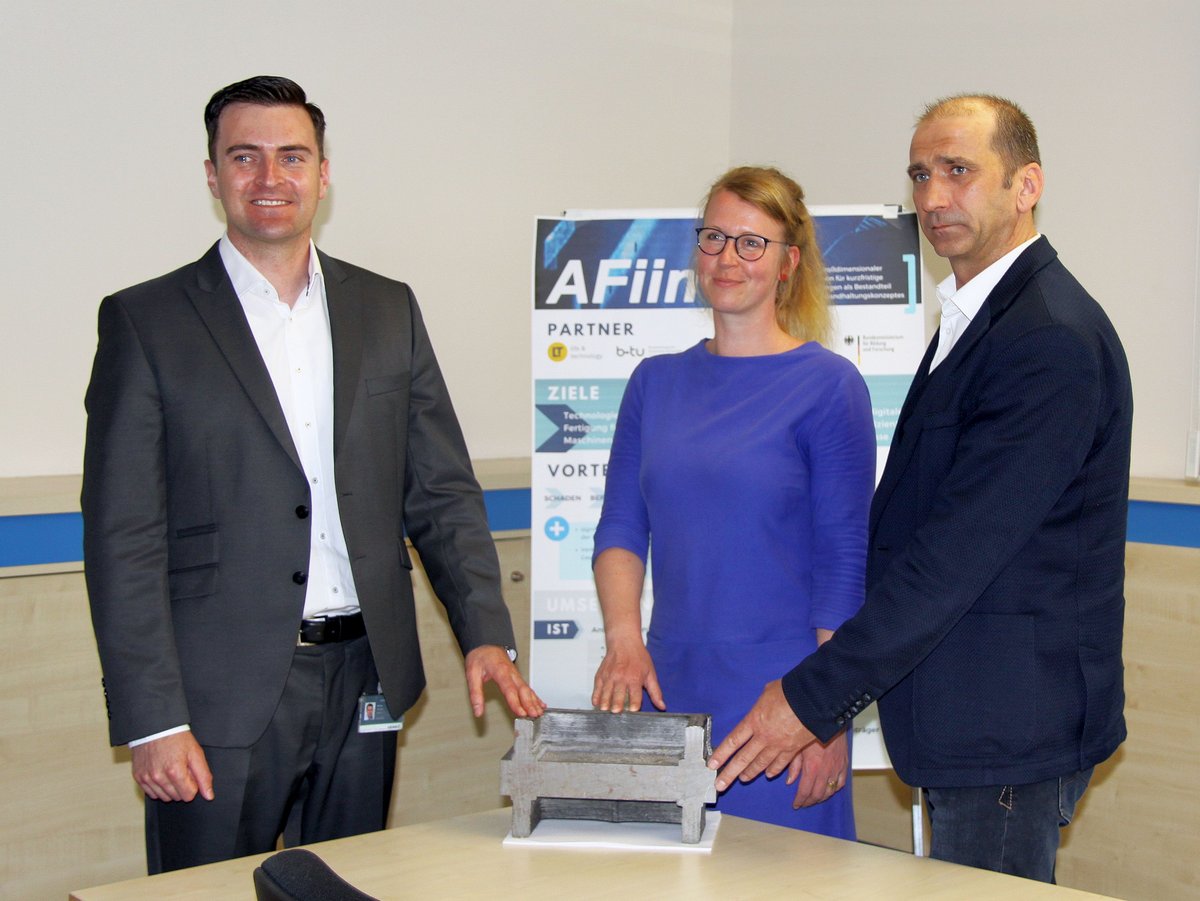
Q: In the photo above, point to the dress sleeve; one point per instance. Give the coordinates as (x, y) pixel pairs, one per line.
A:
(841, 453)
(624, 519)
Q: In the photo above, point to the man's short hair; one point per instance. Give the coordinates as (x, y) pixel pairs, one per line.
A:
(261, 90)
(1014, 138)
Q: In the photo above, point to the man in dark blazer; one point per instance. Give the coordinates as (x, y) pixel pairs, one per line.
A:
(991, 632)
(265, 427)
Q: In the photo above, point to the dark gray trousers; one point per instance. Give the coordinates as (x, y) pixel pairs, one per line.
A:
(310, 777)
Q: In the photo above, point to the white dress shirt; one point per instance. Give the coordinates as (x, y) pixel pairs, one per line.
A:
(960, 305)
(295, 345)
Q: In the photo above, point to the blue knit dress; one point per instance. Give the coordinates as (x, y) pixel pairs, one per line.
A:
(751, 479)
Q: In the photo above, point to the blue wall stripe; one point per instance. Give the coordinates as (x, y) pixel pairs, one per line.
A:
(41, 538)
(44, 538)
(507, 508)
(1151, 522)
(58, 537)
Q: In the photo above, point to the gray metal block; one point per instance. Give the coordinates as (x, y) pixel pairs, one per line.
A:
(615, 767)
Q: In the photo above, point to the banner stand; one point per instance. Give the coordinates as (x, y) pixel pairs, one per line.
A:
(613, 287)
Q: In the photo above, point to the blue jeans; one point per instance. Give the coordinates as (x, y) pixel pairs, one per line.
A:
(1011, 829)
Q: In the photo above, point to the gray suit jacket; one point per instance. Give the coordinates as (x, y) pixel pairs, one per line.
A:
(196, 528)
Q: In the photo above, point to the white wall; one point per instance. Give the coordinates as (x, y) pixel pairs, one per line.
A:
(451, 126)
(830, 91)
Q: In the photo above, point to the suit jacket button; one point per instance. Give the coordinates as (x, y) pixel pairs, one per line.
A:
(299, 577)
(302, 512)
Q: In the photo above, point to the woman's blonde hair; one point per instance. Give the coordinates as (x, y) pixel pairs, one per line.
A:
(801, 300)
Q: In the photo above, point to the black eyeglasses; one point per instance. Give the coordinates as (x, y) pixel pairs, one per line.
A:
(711, 241)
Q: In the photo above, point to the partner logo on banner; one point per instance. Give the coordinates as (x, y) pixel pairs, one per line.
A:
(611, 289)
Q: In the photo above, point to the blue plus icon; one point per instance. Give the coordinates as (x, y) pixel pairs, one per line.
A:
(557, 528)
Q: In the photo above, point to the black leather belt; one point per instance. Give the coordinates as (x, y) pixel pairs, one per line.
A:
(334, 628)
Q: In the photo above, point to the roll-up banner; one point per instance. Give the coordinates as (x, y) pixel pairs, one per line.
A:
(611, 288)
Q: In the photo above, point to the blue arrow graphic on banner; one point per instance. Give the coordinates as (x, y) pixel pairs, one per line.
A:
(560, 415)
(555, 628)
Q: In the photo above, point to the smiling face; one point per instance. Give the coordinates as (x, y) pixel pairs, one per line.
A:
(268, 175)
(730, 284)
(966, 211)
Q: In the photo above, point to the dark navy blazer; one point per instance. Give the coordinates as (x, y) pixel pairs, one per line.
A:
(991, 632)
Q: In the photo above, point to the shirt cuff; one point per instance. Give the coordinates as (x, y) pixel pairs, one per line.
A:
(157, 735)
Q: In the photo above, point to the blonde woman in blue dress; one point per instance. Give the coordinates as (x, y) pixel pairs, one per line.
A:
(747, 463)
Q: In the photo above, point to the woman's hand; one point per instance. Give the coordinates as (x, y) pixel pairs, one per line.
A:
(625, 670)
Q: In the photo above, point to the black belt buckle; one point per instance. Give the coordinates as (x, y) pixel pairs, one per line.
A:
(335, 628)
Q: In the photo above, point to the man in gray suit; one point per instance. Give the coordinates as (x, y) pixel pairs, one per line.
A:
(265, 427)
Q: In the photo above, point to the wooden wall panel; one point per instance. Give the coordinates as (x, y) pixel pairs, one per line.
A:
(1136, 833)
(450, 762)
(72, 815)
(1137, 830)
